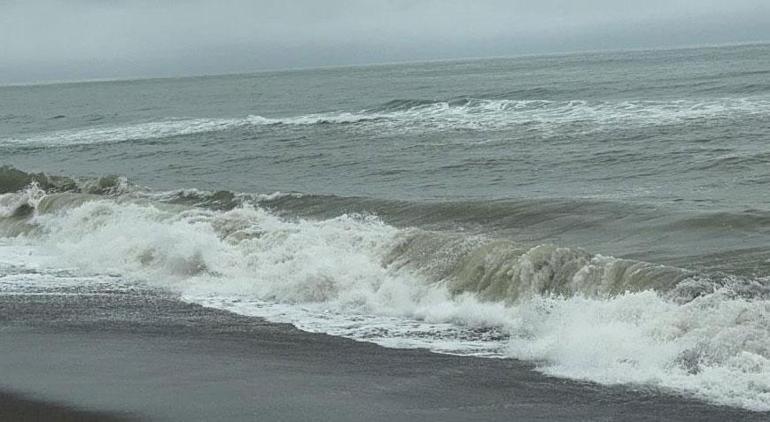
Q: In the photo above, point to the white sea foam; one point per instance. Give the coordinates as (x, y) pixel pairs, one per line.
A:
(333, 276)
(543, 116)
(130, 132)
(30, 196)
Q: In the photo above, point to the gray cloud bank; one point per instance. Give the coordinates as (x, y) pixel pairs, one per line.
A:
(84, 39)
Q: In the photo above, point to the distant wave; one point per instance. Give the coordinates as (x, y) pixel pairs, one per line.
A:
(110, 134)
(422, 115)
(574, 313)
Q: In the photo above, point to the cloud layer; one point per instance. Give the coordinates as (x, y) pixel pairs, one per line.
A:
(80, 39)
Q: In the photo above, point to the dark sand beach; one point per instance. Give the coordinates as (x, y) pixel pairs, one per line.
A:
(146, 356)
(21, 409)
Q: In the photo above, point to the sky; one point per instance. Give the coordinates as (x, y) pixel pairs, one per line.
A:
(103, 39)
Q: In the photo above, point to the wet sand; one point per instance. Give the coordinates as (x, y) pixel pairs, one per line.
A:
(146, 356)
(23, 409)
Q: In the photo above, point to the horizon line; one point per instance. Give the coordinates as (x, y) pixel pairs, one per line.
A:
(384, 63)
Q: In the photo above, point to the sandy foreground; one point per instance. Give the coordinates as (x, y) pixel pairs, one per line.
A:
(142, 355)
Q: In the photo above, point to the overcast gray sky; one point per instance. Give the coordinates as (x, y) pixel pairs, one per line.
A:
(86, 39)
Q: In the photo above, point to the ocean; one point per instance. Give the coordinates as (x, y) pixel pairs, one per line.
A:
(603, 216)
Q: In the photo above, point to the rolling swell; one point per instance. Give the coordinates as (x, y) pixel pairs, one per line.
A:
(715, 241)
(421, 115)
(501, 270)
(493, 268)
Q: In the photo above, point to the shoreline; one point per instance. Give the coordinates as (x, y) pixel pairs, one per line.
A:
(150, 356)
(18, 408)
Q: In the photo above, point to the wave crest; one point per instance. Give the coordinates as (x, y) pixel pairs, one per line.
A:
(576, 314)
(415, 115)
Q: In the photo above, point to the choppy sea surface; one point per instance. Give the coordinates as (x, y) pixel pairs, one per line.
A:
(604, 216)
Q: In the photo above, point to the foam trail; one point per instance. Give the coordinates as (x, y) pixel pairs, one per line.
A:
(421, 116)
(139, 131)
(577, 315)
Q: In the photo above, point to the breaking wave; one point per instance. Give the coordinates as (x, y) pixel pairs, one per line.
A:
(545, 116)
(574, 313)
